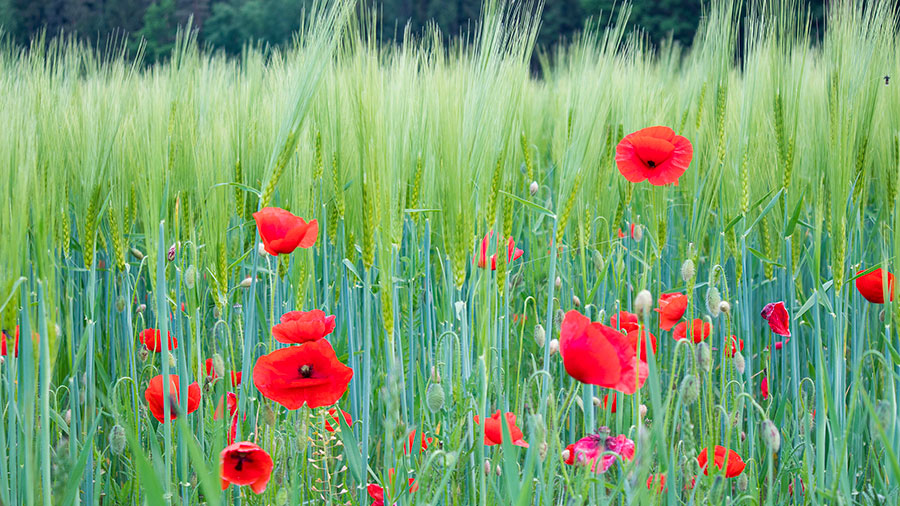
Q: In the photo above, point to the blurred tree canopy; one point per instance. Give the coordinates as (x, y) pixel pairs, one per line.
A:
(230, 24)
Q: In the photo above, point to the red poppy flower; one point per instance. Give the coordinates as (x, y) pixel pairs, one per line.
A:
(735, 465)
(155, 399)
(777, 316)
(624, 320)
(3, 337)
(622, 234)
(764, 387)
(655, 154)
(232, 412)
(606, 403)
(282, 232)
(493, 431)
(309, 373)
(423, 444)
(671, 308)
(780, 344)
(236, 378)
(871, 286)
(737, 344)
(512, 252)
(599, 355)
(570, 456)
(699, 330)
(210, 370)
(245, 463)
(152, 339)
(658, 478)
(332, 422)
(633, 338)
(303, 326)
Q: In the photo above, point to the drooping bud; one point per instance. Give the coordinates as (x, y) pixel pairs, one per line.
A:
(690, 390)
(136, 253)
(554, 346)
(643, 410)
(739, 363)
(170, 255)
(141, 308)
(261, 250)
(269, 415)
(597, 402)
(771, 435)
(725, 307)
(704, 357)
(533, 188)
(576, 301)
(434, 397)
(565, 455)
(637, 232)
(687, 270)
(144, 353)
(540, 335)
(558, 282)
(218, 365)
(172, 361)
(643, 303)
(190, 277)
(713, 299)
(558, 318)
(487, 467)
(246, 282)
(117, 439)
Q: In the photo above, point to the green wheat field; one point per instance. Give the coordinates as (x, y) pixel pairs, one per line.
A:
(146, 200)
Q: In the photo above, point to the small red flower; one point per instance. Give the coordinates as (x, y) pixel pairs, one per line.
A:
(655, 154)
(737, 344)
(871, 286)
(424, 442)
(700, 330)
(493, 431)
(303, 326)
(764, 387)
(570, 456)
(671, 308)
(512, 252)
(282, 232)
(245, 463)
(624, 321)
(155, 399)
(152, 339)
(309, 373)
(735, 465)
(658, 478)
(332, 422)
(777, 316)
(599, 355)
(780, 344)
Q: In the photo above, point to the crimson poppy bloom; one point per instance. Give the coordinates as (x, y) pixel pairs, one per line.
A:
(424, 442)
(624, 320)
(303, 326)
(735, 464)
(282, 232)
(655, 154)
(658, 478)
(737, 344)
(671, 308)
(309, 373)
(777, 316)
(245, 463)
(700, 330)
(591, 449)
(871, 286)
(152, 339)
(512, 252)
(569, 455)
(764, 387)
(599, 355)
(332, 422)
(155, 399)
(493, 431)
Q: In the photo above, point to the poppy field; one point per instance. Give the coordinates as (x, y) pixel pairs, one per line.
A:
(352, 273)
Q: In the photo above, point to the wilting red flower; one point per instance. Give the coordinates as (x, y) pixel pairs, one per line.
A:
(493, 431)
(424, 442)
(332, 422)
(599, 355)
(655, 154)
(871, 286)
(700, 330)
(512, 252)
(569, 454)
(589, 450)
(245, 463)
(155, 399)
(282, 232)
(671, 308)
(777, 316)
(735, 465)
(606, 403)
(764, 387)
(737, 344)
(303, 326)
(309, 373)
(152, 339)
(624, 321)
(660, 479)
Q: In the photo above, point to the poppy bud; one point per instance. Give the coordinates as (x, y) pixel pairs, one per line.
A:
(120, 303)
(690, 390)
(190, 277)
(565, 455)
(141, 308)
(643, 410)
(558, 282)
(170, 255)
(743, 436)
(597, 258)
(144, 353)
(725, 307)
(881, 316)
(739, 363)
(637, 232)
(742, 482)
(262, 250)
(136, 253)
(117, 439)
(172, 361)
(434, 397)
(597, 402)
(533, 188)
(540, 335)
(687, 270)
(704, 357)
(558, 318)
(576, 301)
(643, 303)
(487, 467)
(554, 346)
(269, 415)
(281, 498)
(218, 365)
(713, 299)
(246, 282)
(770, 435)
(498, 470)
(460, 308)
(620, 266)
(68, 417)
(580, 402)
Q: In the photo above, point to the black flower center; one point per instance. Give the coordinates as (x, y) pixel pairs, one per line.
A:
(240, 457)
(651, 163)
(305, 371)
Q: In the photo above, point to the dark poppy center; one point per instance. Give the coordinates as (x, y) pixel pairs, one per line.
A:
(240, 457)
(305, 371)
(653, 151)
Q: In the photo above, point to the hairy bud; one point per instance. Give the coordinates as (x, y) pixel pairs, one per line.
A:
(704, 357)
(434, 397)
(540, 335)
(690, 390)
(771, 435)
(117, 439)
(533, 188)
(687, 270)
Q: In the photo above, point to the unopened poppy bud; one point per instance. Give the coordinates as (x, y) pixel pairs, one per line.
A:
(460, 308)
(690, 390)
(643, 303)
(742, 482)
(269, 415)
(190, 277)
(141, 308)
(565, 455)
(170, 255)
(281, 497)
(136, 253)
(704, 357)
(497, 470)
(558, 282)
(881, 315)
(580, 403)
(117, 439)
(261, 250)
(770, 435)
(576, 301)
(540, 335)
(620, 266)
(739, 363)
(172, 361)
(637, 232)
(558, 318)
(144, 353)
(487, 467)
(68, 417)
(713, 299)
(597, 402)
(434, 397)
(554, 346)
(218, 365)
(597, 258)
(643, 410)
(120, 303)
(246, 282)
(725, 307)
(743, 436)
(687, 270)
(533, 188)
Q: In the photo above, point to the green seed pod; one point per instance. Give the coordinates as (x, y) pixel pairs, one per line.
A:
(690, 390)
(434, 397)
(117, 439)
